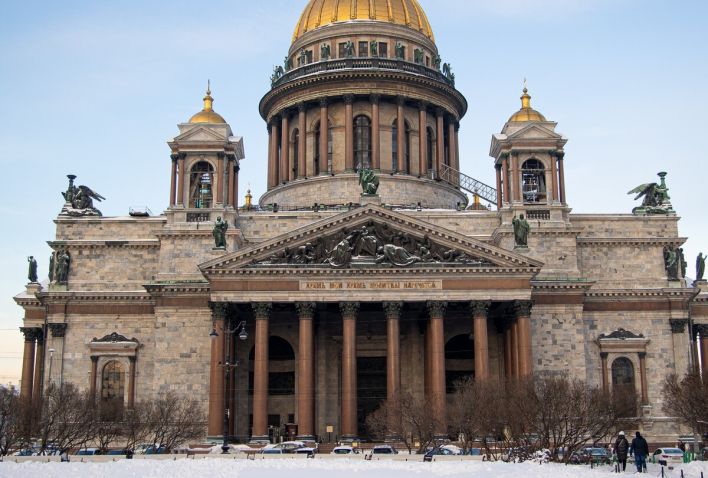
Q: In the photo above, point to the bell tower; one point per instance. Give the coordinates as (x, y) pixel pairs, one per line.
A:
(529, 156)
(205, 165)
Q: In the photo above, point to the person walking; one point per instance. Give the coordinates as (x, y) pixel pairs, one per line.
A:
(621, 449)
(640, 449)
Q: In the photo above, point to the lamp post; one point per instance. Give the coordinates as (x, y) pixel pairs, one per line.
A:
(228, 366)
(51, 360)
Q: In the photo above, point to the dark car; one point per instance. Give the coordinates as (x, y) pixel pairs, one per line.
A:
(436, 451)
(152, 450)
(383, 450)
(594, 455)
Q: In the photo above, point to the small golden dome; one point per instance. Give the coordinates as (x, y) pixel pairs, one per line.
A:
(526, 114)
(319, 13)
(208, 115)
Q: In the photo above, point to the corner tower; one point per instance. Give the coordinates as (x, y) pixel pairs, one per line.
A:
(528, 156)
(205, 164)
(363, 87)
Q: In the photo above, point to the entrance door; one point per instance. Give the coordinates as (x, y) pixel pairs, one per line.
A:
(371, 388)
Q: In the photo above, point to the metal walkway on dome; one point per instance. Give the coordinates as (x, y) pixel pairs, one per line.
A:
(468, 183)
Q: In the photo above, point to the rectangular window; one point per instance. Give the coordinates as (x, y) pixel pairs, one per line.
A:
(342, 50)
(383, 50)
(308, 55)
(363, 49)
(427, 61)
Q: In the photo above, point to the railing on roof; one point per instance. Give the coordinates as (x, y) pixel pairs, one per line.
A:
(468, 183)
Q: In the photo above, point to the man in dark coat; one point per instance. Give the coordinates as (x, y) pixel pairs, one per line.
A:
(621, 449)
(640, 449)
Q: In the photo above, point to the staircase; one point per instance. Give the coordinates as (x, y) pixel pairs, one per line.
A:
(467, 183)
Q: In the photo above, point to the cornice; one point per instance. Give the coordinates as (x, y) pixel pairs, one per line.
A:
(429, 270)
(169, 288)
(642, 294)
(630, 241)
(48, 297)
(546, 285)
(84, 244)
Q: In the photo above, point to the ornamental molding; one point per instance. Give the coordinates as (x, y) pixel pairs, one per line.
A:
(156, 289)
(630, 241)
(92, 297)
(370, 240)
(621, 334)
(678, 326)
(595, 294)
(128, 244)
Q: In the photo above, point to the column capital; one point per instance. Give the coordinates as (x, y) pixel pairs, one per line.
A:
(440, 113)
(678, 326)
(40, 337)
(275, 120)
(301, 107)
(701, 329)
(324, 102)
(393, 309)
(400, 100)
(522, 308)
(348, 99)
(58, 330)
(498, 166)
(423, 105)
(262, 310)
(31, 333)
(480, 308)
(604, 355)
(219, 310)
(94, 358)
(349, 310)
(305, 310)
(560, 155)
(642, 355)
(174, 157)
(436, 309)
(375, 98)
(132, 359)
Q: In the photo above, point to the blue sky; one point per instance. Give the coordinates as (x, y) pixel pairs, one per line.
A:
(97, 88)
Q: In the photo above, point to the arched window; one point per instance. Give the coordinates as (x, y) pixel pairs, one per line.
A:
(362, 143)
(406, 166)
(201, 185)
(430, 147)
(296, 152)
(317, 161)
(113, 382)
(623, 387)
(459, 360)
(533, 177)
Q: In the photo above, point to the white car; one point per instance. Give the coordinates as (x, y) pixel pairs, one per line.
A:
(343, 450)
(671, 456)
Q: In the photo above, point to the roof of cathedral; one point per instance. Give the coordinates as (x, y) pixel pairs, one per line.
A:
(526, 114)
(208, 115)
(319, 13)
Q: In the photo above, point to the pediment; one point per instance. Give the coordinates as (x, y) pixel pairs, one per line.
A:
(534, 131)
(371, 237)
(200, 133)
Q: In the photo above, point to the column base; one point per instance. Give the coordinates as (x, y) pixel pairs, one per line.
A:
(305, 437)
(259, 440)
(349, 438)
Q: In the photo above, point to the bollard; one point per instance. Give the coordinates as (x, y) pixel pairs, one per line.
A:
(681, 473)
(662, 472)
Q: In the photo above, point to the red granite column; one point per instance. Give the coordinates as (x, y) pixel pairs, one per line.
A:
(515, 372)
(28, 361)
(38, 368)
(302, 144)
(305, 373)
(523, 317)
(219, 200)
(561, 177)
(260, 373)
(554, 178)
(273, 158)
(440, 156)
(401, 136)
(324, 137)
(393, 349)
(348, 133)
(480, 309)
(422, 139)
(452, 148)
(375, 133)
(507, 179)
(508, 361)
(498, 167)
(283, 170)
(704, 348)
(173, 180)
(216, 374)
(181, 200)
(438, 394)
(350, 311)
(231, 172)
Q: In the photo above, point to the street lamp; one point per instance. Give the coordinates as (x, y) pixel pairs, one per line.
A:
(228, 366)
(51, 360)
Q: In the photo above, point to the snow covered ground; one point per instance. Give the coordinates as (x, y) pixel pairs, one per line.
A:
(319, 468)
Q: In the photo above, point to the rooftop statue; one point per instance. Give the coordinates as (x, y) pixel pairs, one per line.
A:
(369, 181)
(32, 272)
(79, 200)
(700, 267)
(521, 231)
(325, 52)
(656, 198)
(447, 71)
(219, 233)
(374, 48)
(400, 51)
(278, 73)
(349, 49)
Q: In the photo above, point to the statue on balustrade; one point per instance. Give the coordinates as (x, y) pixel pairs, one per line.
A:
(400, 51)
(325, 52)
(32, 272)
(219, 233)
(369, 181)
(374, 48)
(521, 231)
(278, 73)
(418, 56)
(700, 266)
(349, 49)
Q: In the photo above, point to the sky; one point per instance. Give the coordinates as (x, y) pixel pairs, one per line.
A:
(96, 89)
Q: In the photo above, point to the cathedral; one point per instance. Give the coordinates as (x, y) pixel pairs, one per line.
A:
(363, 271)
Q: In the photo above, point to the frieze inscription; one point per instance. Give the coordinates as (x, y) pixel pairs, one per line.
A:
(369, 285)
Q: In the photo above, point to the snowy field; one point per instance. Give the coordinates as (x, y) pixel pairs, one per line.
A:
(322, 468)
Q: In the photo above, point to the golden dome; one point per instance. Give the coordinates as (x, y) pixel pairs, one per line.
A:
(319, 13)
(208, 115)
(526, 114)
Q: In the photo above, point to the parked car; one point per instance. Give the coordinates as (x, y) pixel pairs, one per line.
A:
(344, 450)
(118, 451)
(271, 451)
(287, 446)
(670, 455)
(308, 450)
(384, 450)
(442, 451)
(156, 450)
(586, 455)
(88, 452)
(25, 452)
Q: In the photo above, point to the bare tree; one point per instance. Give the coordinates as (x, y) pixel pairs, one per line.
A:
(11, 412)
(135, 426)
(107, 423)
(66, 419)
(408, 419)
(687, 399)
(173, 420)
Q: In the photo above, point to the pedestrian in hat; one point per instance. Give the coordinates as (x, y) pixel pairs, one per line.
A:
(621, 449)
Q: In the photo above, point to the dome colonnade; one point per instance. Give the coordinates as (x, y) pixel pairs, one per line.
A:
(372, 76)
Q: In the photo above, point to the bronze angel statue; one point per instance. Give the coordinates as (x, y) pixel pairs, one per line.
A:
(81, 199)
(656, 197)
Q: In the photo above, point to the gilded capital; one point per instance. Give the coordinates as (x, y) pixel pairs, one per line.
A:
(350, 310)
(262, 310)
